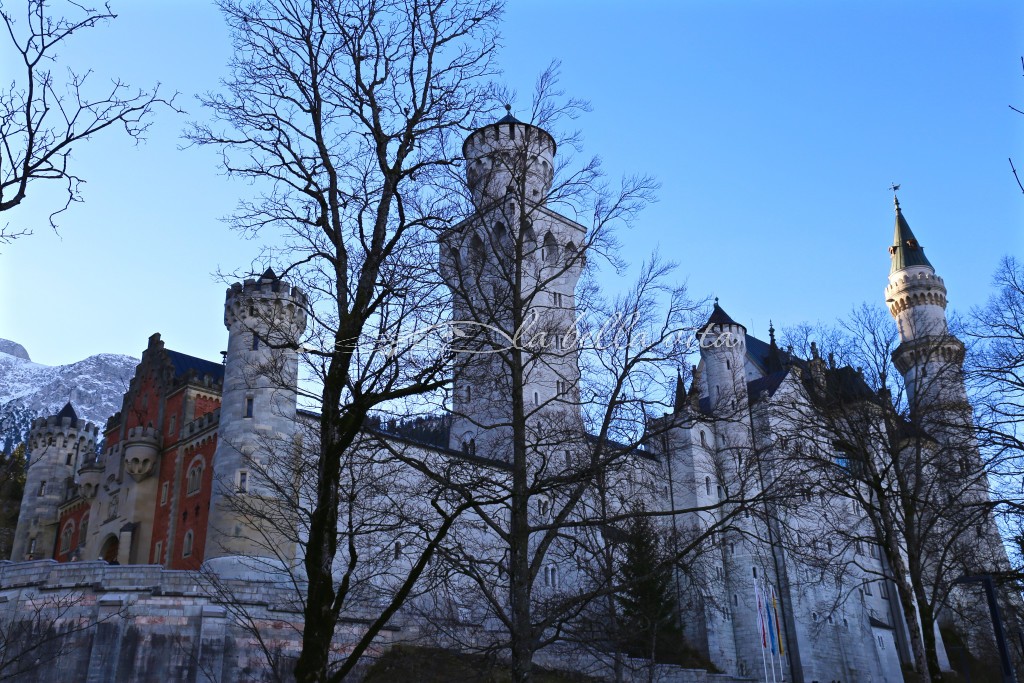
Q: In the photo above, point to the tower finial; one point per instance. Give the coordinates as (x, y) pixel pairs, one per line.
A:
(771, 331)
(508, 108)
(895, 200)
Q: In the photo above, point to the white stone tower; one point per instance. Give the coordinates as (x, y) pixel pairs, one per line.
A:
(57, 445)
(512, 243)
(723, 353)
(928, 357)
(257, 436)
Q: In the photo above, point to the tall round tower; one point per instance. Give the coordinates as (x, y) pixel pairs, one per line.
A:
(723, 349)
(256, 440)
(513, 267)
(928, 357)
(56, 447)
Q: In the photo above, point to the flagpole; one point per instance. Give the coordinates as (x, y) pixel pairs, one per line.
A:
(778, 630)
(760, 632)
(771, 636)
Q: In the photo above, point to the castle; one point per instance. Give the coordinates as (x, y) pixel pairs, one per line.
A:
(191, 431)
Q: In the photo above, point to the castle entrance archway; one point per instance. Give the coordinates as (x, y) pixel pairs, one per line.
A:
(109, 549)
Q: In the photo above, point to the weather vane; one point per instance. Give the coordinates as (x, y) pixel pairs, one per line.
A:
(894, 187)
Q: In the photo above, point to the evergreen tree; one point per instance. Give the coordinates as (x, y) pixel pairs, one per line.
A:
(648, 625)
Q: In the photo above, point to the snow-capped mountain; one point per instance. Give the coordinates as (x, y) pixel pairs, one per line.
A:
(29, 390)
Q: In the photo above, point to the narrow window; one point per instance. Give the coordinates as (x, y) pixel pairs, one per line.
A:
(883, 589)
(867, 589)
(735, 600)
(707, 482)
(83, 529)
(398, 549)
(536, 399)
(186, 546)
(65, 537)
(69, 459)
(248, 407)
(243, 481)
(469, 393)
(163, 493)
(755, 572)
(158, 553)
(42, 488)
(255, 342)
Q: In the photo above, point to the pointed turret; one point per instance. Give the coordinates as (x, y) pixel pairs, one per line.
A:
(905, 250)
(679, 404)
(68, 412)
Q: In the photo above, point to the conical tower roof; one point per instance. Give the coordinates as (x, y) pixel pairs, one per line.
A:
(905, 250)
(720, 317)
(69, 412)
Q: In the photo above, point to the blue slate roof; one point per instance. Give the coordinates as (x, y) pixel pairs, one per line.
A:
(185, 364)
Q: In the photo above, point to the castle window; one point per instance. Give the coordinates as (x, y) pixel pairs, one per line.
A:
(707, 481)
(83, 529)
(469, 393)
(719, 492)
(158, 553)
(42, 488)
(65, 536)
(814, 616)
(170, 430)
(195, 477)
(536, 399)
(398, 549)
(163, 492)
(883, 589)
(248, 407)
(735, 600)
(867, 589)
(728, 366)
(242, 485)
(881, 643)
(704, 442)
(255, 342)
(560, 387)
(755, 572)
(186, 546)
(556, 299)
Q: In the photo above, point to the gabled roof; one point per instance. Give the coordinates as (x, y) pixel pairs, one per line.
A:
(185, 364)
(905, 251)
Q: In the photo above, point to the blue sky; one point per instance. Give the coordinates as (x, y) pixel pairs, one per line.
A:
(773, 128)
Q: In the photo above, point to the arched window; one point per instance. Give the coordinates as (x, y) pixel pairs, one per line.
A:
(570, 253)
(65, 536)
(194, 480)
(83, 529)
(186, 546)
(703, 440)
(707, 481)
(476, 251)
(550, 250)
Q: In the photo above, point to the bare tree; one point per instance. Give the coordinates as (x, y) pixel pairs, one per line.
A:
(565, 386)
(347, 115)
(891, 473)
(43, 115)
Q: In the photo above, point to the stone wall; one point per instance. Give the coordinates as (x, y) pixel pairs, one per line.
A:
(94, 622)
(101, 623)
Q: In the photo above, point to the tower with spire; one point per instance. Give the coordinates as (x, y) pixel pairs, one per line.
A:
(928, 357)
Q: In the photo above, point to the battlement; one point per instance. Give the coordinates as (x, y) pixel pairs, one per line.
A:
(201, 423)
(504, 154)
(923, 277)
(268, 300)
(46, 428)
